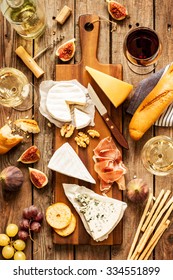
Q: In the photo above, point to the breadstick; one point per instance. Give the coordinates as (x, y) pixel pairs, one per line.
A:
(148, 250)
(140, 225)
(152, 210)
(160, 205)
(169, 206)
(150, 229)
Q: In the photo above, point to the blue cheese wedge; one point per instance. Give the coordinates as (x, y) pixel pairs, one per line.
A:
(66, 161)
(99, 214)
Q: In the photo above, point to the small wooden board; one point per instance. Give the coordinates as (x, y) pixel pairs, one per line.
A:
(89, 43)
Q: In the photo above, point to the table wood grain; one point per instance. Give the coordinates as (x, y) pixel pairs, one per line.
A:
(155, 14)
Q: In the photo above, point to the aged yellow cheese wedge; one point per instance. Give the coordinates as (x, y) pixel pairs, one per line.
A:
(116, 90)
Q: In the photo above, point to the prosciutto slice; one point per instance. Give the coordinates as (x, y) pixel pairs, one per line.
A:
(109, 165)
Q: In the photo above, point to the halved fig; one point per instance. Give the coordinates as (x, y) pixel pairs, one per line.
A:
(31, 155)
(117, 10)
(67, 50)
(38, 178)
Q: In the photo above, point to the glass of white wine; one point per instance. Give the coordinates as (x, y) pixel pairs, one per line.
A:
(15, 89)
(157, 155)
(27, 17)
(142, 48)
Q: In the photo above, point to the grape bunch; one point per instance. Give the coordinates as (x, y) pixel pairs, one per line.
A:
(30, 222)
(12, 248)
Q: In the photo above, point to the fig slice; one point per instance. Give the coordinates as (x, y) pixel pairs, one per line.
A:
(66, 51)
(38, 178)
(117, 10)
(31, 155)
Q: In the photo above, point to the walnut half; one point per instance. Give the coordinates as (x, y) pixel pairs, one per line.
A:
(93, 133)
(67, 130)
(82, 140)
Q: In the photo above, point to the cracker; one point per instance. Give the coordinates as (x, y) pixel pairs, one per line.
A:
(69, 229)
(58, 215)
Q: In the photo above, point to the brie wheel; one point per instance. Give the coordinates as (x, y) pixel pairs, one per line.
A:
(59, 98)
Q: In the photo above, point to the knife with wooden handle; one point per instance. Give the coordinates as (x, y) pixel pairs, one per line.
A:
(103, 112)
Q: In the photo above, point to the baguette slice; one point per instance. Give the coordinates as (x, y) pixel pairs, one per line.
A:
(7, 139)
(152, 106)
(27, 125)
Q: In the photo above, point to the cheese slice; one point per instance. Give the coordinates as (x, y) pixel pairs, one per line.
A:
(99, 214)
(66, 161)
(81, 119)
(59, 98)
(116, 90)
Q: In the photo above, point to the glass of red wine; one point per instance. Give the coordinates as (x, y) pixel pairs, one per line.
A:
(142, 48)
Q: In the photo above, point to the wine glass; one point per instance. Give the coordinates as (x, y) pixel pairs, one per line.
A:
(142, 48)
(157, 155)
(15, 89)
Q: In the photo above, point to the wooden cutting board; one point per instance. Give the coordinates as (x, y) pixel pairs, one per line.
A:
(89, 35)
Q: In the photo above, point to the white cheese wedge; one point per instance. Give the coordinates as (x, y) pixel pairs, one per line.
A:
(59, 98)
(116, 90)
(99, 214)
(66, 161)
(81, 119)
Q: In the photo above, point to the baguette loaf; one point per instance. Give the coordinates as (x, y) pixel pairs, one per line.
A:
(152, 106)
(7, 139)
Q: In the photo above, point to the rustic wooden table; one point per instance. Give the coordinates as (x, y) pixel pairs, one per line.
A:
(154, 14)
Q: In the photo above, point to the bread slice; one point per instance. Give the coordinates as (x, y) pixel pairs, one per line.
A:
(58, 215)
(7, 139)
(69, 229)
(27, 125)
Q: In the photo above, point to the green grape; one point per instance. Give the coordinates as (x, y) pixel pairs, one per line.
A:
(4, 239)
(12, 230)
(19, 245)
(19, 255)
(8, 252)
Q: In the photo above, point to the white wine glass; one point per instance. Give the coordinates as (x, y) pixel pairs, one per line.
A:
(142, 48)
(15, 90)
(157, 155)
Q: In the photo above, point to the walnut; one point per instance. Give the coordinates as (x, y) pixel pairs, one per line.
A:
(82, 139)
(93, 133)
(67, 130)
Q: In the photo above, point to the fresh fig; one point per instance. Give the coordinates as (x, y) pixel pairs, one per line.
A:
(137, 190)
(38, 178)
(11, 178)
(31, 155)
(117, 10)
(67, 50)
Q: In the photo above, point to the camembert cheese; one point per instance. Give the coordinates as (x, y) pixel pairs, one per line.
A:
(99, 214)
(81, 119)
(62, 95)
(66, 161)
(116, 90)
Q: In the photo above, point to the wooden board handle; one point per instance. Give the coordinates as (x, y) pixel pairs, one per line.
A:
(29, 61)
(89, 34)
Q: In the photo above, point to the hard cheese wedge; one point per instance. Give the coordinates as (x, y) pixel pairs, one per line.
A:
(66, 161)
(116, 90)
(99, 214)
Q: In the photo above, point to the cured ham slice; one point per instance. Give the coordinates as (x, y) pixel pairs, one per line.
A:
(109, 165)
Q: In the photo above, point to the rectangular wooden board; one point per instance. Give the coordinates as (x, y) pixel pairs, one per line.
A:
(89, 42)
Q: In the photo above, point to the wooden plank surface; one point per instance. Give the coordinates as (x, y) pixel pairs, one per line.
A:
(155, 14)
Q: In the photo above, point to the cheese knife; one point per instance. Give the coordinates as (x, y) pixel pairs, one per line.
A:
(103, 112)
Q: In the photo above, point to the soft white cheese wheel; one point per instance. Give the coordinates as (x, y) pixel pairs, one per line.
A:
(59, 98)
